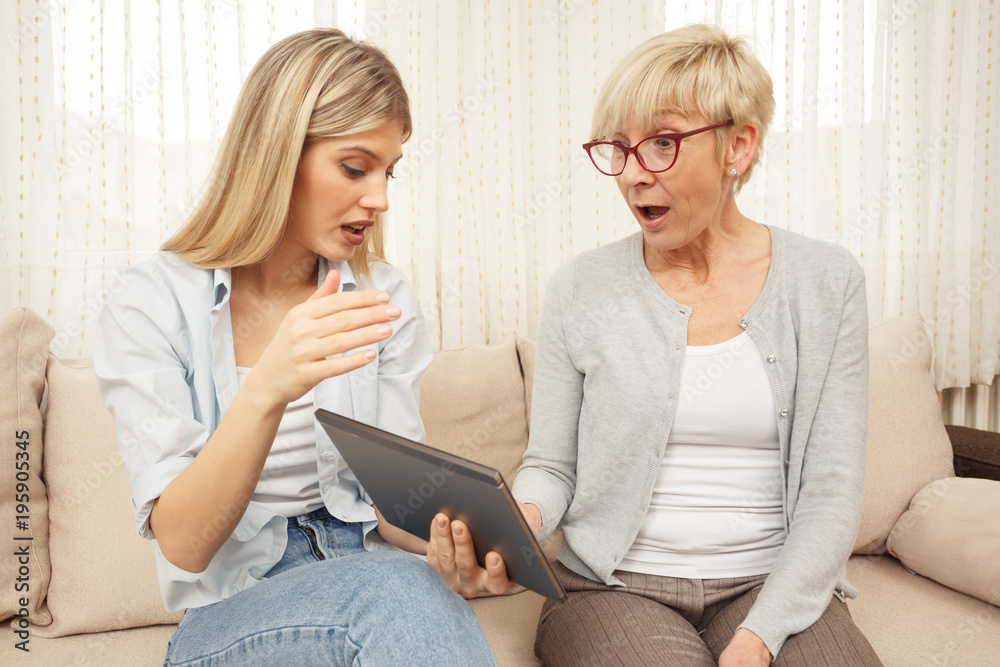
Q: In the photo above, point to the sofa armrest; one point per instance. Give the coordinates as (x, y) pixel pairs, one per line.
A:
(977, 453)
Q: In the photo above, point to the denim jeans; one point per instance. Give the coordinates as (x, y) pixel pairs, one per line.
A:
(328, 601)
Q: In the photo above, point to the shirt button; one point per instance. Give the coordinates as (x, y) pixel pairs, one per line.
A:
(783, 413)
(771, 359)
(743, 323)
(327, 456)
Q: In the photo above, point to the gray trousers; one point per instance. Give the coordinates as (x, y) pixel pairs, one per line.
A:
(667, 621)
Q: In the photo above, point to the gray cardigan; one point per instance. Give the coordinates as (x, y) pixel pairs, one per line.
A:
(611, 349)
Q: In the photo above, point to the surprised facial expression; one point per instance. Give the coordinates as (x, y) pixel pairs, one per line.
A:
(674, 206)
(340, 184)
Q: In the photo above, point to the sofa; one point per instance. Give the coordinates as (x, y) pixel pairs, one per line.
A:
(80, 587)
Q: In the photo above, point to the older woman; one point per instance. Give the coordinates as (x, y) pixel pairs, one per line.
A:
(701, 395)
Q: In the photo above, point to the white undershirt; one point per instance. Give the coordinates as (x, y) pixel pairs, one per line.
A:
(716, 508)
(289, 483)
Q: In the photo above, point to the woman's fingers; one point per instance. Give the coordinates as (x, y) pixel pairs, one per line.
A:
(441, 549)
(329, 286)
(321, 304)
(465, 555)
(474, 579)
(354, 318)
(496, 574)
(339, 365)
(454, 556)
(319, 350)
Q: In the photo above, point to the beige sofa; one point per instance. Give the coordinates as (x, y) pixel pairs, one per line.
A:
(92, 597)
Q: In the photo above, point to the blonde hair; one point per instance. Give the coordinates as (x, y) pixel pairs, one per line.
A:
(696, 67)
(309, 86)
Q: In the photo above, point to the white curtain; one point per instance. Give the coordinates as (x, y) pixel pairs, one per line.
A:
(885, 141)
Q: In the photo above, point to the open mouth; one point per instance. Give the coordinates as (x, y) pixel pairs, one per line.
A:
(651, 213)
(355, 234)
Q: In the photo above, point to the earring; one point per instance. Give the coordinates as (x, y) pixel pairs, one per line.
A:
(732, 172)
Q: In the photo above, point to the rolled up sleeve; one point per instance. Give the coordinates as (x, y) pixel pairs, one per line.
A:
(144, 384)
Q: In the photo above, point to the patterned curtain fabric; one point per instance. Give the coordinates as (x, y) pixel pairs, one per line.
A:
(884, 141)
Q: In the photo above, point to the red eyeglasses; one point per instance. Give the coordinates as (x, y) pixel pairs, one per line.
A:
(655, 154)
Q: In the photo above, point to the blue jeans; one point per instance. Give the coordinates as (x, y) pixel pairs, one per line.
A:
(330, 602)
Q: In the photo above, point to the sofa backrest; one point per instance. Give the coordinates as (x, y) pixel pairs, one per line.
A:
(475, 402)
(908, 446)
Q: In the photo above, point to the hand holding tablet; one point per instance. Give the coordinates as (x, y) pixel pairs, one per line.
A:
(415, 486)
(451, 552)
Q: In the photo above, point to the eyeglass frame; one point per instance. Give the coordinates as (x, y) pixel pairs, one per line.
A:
(676, 137)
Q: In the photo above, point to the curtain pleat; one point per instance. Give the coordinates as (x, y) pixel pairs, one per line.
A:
(884, 141)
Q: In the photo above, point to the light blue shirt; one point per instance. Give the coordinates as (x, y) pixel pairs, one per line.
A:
(165, 366)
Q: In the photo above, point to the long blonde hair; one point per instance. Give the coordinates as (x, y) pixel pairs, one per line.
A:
(309, 86)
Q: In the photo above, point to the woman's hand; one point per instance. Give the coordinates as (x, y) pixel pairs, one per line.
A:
(399, 537)
(327, 323)
(745, 649)
(451, 552)
(532, 515)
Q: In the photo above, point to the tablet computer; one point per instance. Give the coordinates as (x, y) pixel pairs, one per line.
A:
(411, 482)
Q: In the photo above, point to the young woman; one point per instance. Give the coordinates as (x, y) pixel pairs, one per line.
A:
(271, 301)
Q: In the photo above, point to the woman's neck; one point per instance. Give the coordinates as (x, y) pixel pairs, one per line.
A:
(277, 273)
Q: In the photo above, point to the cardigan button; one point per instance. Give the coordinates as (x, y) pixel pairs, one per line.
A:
(744, 323)
(783, 413)
(771, 359)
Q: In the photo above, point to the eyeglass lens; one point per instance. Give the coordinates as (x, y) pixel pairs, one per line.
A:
(657, 154)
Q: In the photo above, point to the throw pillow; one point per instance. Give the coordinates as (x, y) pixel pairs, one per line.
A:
(907, 445)
(103, 573)
(951, 534)
(24, 522)
(472, 404)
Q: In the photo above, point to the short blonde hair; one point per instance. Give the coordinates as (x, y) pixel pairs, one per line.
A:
(309, 86)
(696, 67)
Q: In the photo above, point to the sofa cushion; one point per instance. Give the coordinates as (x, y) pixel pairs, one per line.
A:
(951, 534)
(908, 446)
(24, 346)
(509, 625)
(135, 647)
(910, 620)
(472, 403)
(103, 573)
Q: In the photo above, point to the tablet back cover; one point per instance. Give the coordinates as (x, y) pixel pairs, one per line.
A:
(410, 483)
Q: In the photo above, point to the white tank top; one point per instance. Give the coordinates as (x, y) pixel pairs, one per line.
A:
(289, 483)
(716, 508)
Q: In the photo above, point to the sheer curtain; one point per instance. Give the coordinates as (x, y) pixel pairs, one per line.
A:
(883, 141)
